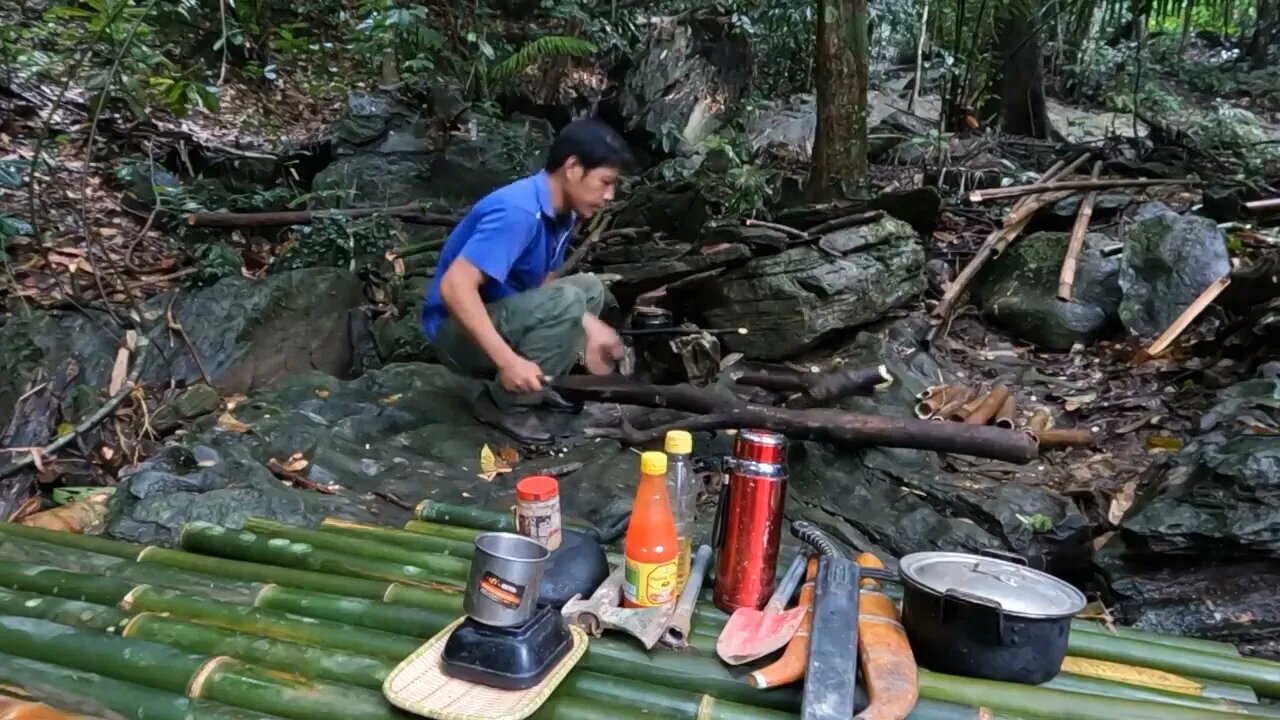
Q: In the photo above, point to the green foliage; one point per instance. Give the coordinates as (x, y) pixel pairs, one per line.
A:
(335, 241)
(213, 262)
(536, 50)
(733, 184)
(11, 227)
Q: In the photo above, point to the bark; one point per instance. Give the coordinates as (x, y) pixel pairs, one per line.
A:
(840, 139)
(1019, 79)
(1268, 20)
(32, 426)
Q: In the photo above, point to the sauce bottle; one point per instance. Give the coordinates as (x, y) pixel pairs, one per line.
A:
(650, 549)
(684, 498)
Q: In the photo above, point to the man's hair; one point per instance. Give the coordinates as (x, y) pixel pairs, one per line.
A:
(594, 143)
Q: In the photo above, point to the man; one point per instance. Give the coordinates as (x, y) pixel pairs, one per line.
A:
(496, 309)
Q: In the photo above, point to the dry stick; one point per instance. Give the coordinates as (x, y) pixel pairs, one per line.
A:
(784, 229)
(1188, 316)
(841, 223)
(411, 213)
(580, 252)
(1256, 205)
(1052, 439)
(1020, 190)
(1067, 276)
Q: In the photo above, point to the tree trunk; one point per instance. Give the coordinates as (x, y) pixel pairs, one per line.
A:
(1265, 29)
(840, 139)
(1020, 76)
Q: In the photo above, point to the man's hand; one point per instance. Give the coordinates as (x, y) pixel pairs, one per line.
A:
(520, 376)
(603, 345)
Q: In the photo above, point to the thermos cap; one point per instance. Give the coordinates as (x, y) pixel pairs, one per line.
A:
(653, 463)
(679, 442)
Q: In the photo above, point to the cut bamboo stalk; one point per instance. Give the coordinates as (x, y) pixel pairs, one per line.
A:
(435, 529)
(242, 684)
(438, 563)
(67, 612)
(465, 516)
(97, 693)
(1004, 416)
(44, 580)
(1066, 438)
(991, 405)
(1103, 184)
(662, 701)
(948, 411)
(1213, 647)
(399, 538)
(1129, 691)
(91, 543)
(1261, 675)
(963, 413)
(402, 620)
(1188, 316)
(1067, 276)
(264, 573)
(1018, 220)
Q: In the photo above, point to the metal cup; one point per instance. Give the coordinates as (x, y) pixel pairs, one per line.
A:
(505, 573)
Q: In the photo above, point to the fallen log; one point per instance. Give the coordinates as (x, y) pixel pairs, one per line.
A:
(409, 213)
(823, 387)
(840, 427)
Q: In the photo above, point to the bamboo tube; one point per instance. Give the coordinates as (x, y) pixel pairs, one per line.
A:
(39, 552)
(259, 572)
(1128, 691)
(60, 583)
(306, 660)
(270, 623)
(95, 693)
(373, 614)
(15, 709)
(90, 543)
(991, 405)
(452, 532)
(575, 708)
(399, 538)
(467, 516)
(1004, 416)
(67, 612)
(438, 564)
(1213, 647)
(1261, 675)
(661, 701)
(212, 539)
(233, 682)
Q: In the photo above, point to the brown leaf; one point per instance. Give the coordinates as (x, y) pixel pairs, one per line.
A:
(509, 455)
(1122, 501)
(295, 463)
(82, 516)
(322, 393)
(227, 421)
(121, 367)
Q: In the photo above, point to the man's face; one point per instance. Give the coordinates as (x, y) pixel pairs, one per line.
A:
(589, 190)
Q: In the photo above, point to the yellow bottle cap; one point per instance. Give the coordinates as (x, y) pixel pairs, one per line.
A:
(679, 442)
(653, 463)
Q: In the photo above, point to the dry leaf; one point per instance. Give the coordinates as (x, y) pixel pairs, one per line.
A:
(391, 399)
(1122, 501)
(295, 463)
(107, 452)
(488, 463)
(119, 370)
(1164, 443)
(322, 393)
(81, 516)
(227, 421)
(509, 455)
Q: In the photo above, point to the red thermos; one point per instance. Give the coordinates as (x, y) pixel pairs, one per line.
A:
(750, 520)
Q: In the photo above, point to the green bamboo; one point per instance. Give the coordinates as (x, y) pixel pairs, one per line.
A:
(233, 682)
(150, 664)
(91, 543)
(306, 660)
(568, 707)
(661, 701)
(39, 552)
(452, 532)
(399, 538)
(1041, 702)
(417, 597)
(60, 583)
(212, 539)
(438, 564)
(466, 516)
(97, 694)
(66, 612)
(416, 622)
(1111, 688)
(263, 573)
(1212, 647)
(271, 623)
(1261, 675)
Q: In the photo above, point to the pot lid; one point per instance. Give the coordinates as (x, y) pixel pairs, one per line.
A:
(1020, 590)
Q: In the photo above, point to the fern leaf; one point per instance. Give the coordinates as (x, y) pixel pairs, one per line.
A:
(533, 51)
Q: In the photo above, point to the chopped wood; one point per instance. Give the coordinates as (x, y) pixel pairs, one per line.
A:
(1185, 319)
(1004, 416)
(1067, 276)
(1053, 439)
(409, 213)
(840, 427)
(1102, 184)
(990, 405)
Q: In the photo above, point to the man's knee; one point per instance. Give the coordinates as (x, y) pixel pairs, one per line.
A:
(560, 302)
(592, 290)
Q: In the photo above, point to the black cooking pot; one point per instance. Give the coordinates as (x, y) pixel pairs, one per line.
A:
(986, 617)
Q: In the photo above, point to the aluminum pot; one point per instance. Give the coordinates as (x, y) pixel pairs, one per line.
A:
(506, 570)
(985, 617)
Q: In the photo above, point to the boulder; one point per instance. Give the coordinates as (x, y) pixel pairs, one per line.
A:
(795, 299)
(1019, 290)
(784, 130)
(896, 129)
(687, 81)
(1169, 260)
(1196, 553)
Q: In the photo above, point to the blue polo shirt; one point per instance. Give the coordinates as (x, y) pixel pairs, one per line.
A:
(512, 235)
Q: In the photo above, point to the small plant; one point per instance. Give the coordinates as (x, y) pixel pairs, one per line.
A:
(536, 50)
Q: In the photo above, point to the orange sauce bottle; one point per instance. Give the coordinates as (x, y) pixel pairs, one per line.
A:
(651, 549)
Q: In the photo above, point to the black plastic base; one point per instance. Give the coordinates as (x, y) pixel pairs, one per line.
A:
(514, 658)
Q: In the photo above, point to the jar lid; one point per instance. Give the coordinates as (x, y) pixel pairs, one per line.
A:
(653, 463)
(537, 487)
(1020, 590)
(679, 442)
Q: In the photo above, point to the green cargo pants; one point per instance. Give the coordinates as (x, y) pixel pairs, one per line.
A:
(543, 325)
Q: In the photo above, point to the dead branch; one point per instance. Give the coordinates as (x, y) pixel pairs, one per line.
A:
(1067, 277)
(1188, 316)
(1020, 190)
(845, 222)
(823, 387)
(409, 213)
(1263, 205)
(820, 424)
(784, 229)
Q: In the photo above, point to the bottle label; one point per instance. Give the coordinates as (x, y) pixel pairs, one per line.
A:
(650, 584)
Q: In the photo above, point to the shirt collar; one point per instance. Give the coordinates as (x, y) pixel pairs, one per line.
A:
(542, 190)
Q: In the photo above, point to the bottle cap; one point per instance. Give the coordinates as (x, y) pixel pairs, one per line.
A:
(537, 487)
(653, 463)
(679, 442)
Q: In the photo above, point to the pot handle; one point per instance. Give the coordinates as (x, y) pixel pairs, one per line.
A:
(952, 596)
(1005, 555)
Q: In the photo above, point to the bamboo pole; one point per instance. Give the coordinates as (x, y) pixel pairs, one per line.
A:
(438, 563)
(399, 619)
(90, 543)
(1261, 675)
(1185, 318)
(399, 538)
(68, 612)
(1020, 190)
(1067, 276)
(989, 406)
(264, 573)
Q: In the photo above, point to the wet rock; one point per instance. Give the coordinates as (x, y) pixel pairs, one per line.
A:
(687, 81)
(897, 129)
(639, 278)
(1019, 290)
(919, 207)
(784, 131)
(191, 403)
(1196, 552)
(676, 210)
(378, 122)
(1104, 204)
(1168, 261)
(793, 300)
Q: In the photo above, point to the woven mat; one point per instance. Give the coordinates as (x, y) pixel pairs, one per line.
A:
(420, 685)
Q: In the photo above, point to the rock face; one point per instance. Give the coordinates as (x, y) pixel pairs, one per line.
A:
(687, 81)
(248, 334)
(1196, 553)
(784, 131)
(1019, 290)
(1169, 260)
(792, 300)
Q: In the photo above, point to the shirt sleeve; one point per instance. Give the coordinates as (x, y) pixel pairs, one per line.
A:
(499, 237)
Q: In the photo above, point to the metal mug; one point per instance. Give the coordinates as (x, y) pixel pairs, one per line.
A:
(502, 589)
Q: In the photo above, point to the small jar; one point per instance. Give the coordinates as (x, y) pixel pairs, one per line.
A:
(538, 510)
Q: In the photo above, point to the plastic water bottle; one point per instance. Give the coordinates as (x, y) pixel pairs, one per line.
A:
(683, 492)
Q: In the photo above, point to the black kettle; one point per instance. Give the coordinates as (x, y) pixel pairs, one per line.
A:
(579, 565)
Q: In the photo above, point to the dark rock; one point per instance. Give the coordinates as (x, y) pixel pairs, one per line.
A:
(1196, 552)
(1168, 261)
(1019, 290)
(918, 207)
(761, 240)
(793, 300)
(191, 403)
(1226, 203)
(860, 237)
(370, 119)
(1105, 204)
(687, 82)
(679, 211)
(144, 183)
(639, 278)
(784, 131)
(896, 131)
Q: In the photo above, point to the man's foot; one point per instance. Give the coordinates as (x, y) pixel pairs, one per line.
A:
(521, 424)
(555, 401)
